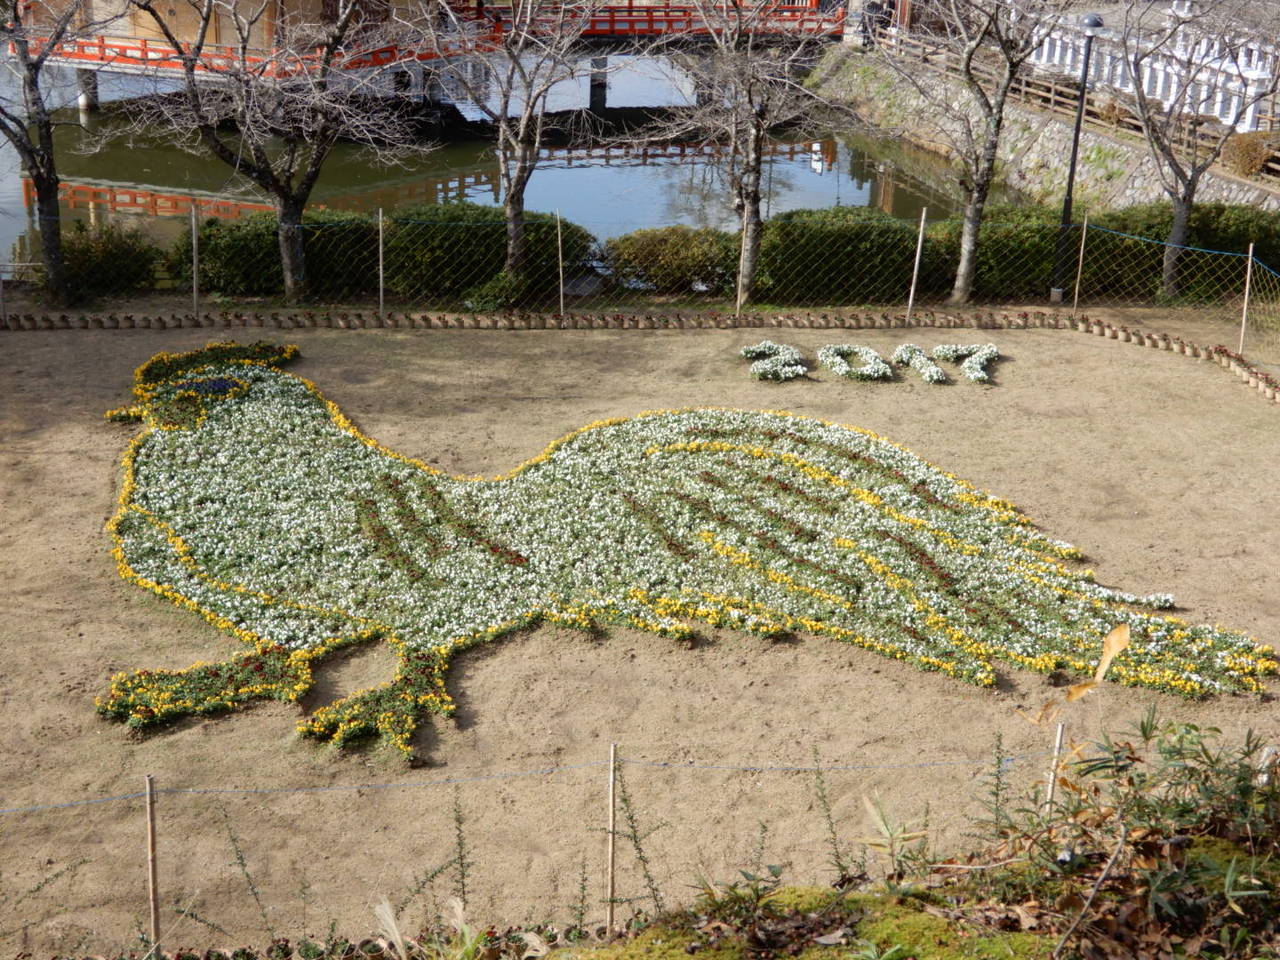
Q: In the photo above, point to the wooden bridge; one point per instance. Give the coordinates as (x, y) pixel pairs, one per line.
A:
(486, 25)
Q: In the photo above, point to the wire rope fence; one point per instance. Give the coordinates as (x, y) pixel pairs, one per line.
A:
(464, 257)
(206, 860)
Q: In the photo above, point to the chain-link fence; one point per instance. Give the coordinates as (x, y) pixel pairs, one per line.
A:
(466, 257)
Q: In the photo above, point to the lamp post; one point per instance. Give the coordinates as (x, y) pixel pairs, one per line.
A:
(1090, 24)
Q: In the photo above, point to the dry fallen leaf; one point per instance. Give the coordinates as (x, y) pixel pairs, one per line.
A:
(1078, 690)
(1112, 644)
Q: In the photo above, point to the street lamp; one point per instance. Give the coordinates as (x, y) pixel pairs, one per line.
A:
(1090, 24)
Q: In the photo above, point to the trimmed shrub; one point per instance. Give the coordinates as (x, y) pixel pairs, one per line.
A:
(1245, 154)
(1016, 249)
(108, 259)
(838, 255)
(242, 257)
(440, 250)
(675, 260)
(239, 258)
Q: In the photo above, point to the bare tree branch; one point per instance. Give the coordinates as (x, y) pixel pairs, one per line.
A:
(747, 62)
(33, 33)
(985, 45)
(273, 104)
(1195, 73)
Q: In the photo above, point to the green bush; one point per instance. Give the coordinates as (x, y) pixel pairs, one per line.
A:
(238, 258)
(500, 292)
(837, 255)
(442, 250)
(675, 260)
(108, 259)
(242, 257)
(1016, 249)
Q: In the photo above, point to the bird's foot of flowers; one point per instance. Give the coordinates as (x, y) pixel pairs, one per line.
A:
(391, 710)
(148, 698)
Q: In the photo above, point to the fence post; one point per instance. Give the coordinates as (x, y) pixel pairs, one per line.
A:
(1084, 232)
(153, 894)
(915, 270)
(613, 820)
(195, 261)
(4, 309)
(1244, 314)
(1053, 768)
(380, 265)
(560, 259)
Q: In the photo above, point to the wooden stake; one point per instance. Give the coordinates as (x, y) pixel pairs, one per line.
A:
(1244, 314)
(1053, 768)
(1084, 232)
(613, 820)
(195, 261)
(381, 284)
(152, 892)
(560, 260)
(915, 271)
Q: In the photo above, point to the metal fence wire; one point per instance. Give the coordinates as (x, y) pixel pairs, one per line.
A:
(460, 257)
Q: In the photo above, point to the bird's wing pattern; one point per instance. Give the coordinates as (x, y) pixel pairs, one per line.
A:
(254, 501)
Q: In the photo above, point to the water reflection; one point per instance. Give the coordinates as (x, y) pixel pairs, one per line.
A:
(609, 192)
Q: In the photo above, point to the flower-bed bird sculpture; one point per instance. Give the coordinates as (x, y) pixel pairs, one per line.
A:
(251, 500)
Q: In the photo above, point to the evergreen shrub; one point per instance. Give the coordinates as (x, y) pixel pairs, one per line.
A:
(675, 260)
(108, 259)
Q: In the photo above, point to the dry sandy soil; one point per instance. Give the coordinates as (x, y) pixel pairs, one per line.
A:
(1162, 469)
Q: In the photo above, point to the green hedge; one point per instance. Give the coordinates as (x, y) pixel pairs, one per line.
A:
(449, 249)
(108, 259)
(438, 250)
(837, 255)
(675, 260)
(242, 257)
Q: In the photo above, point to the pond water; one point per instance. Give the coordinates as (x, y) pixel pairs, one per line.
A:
(610, 192)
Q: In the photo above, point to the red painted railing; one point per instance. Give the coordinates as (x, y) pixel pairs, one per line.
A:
(630, 20)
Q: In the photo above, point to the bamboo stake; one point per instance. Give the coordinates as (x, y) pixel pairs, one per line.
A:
(612, 848)
(1053, 768)
(381, 285)
(560, 260)
(195, 261)
(1084, 232)
(153, 893)
(1244, 314)
(915, 270)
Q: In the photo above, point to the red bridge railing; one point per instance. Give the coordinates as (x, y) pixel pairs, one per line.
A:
(132, 54)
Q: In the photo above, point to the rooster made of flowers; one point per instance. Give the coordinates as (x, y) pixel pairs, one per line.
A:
(252, 501)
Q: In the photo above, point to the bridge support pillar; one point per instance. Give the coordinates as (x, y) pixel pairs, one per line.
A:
(599, 84)
(87, 83)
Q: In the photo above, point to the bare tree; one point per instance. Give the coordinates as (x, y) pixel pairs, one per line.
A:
(506, 64)
(274, 102)
(34, 33)
(1198, 71)
(967, 56)
(747, 63)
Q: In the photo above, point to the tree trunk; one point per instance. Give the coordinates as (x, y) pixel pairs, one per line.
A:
(292, 260)
(517, 245)
(1176, 240)
(967, 268)
(748, 204)
(49, 218)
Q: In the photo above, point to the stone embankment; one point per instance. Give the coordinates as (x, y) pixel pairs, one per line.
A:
(1113, 170)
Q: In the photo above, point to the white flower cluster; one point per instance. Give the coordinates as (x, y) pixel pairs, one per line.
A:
(908, 354)
(775, 361)
(275, 516)
(976, 357)
(835, 356)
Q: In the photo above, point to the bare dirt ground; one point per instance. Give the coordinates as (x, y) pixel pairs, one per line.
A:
(1161, 468)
